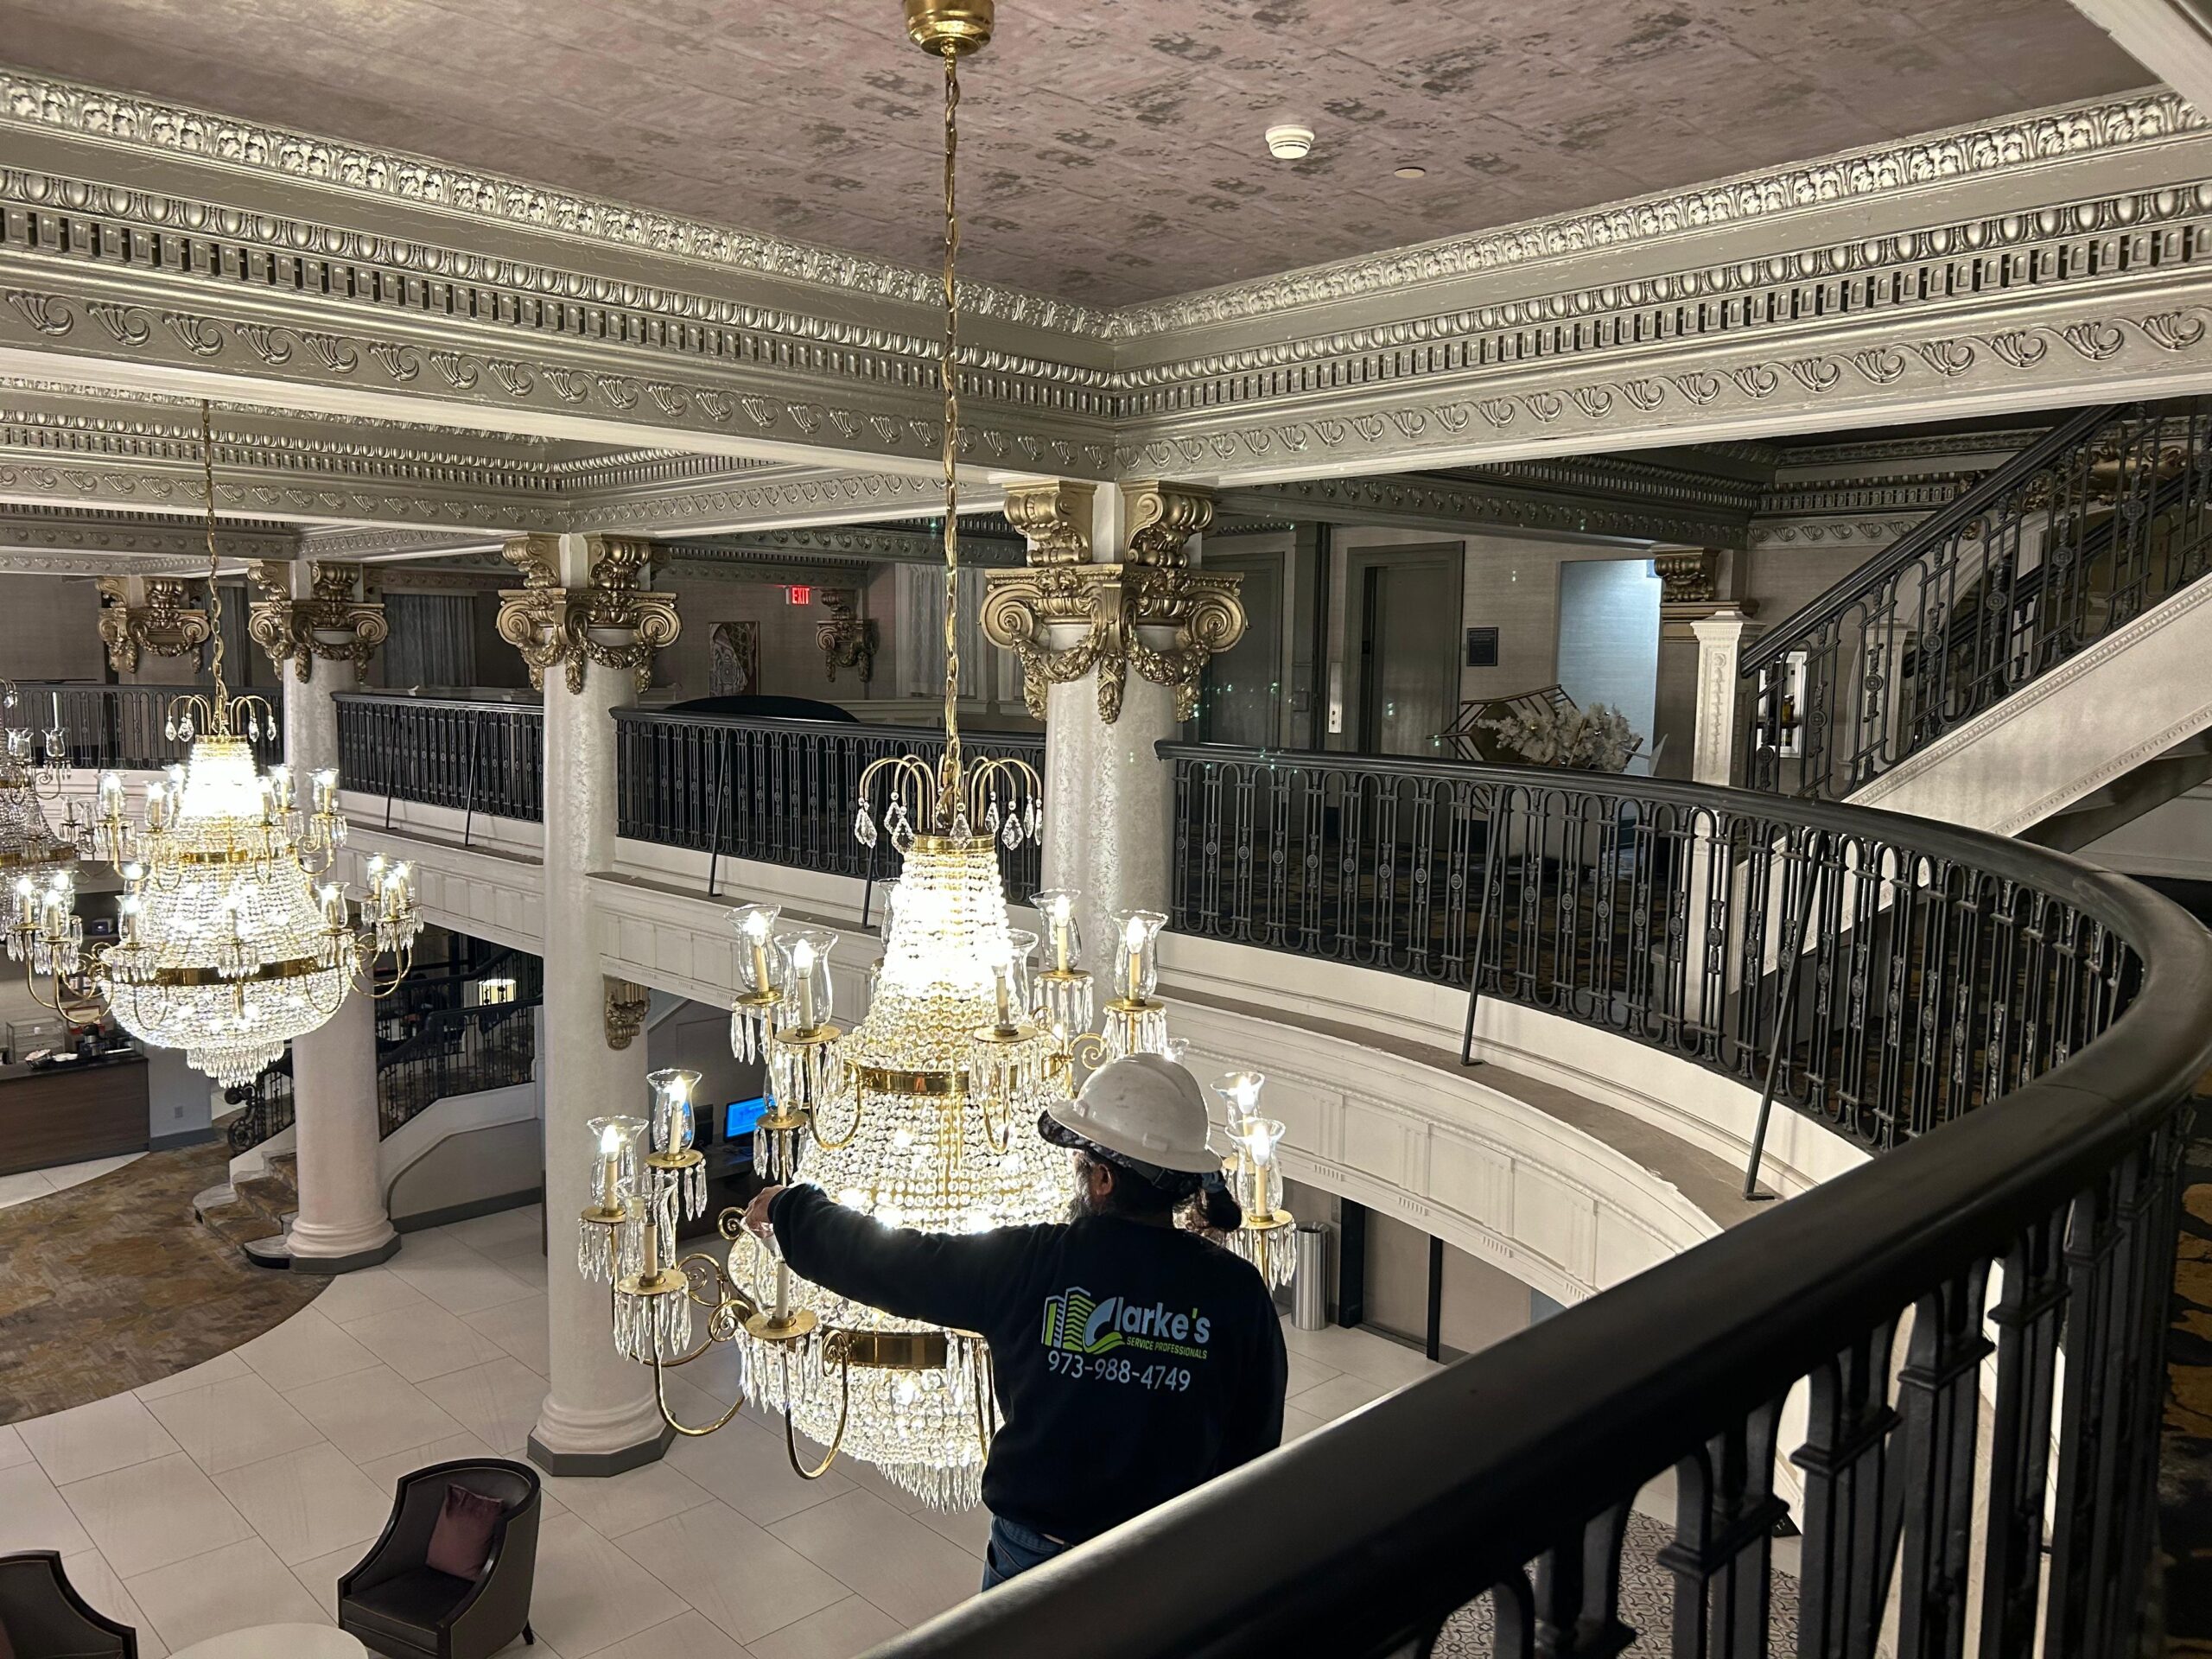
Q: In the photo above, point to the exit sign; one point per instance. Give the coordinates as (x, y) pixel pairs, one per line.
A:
(798, 593)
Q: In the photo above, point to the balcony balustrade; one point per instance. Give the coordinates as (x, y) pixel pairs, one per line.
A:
(2012, 1033)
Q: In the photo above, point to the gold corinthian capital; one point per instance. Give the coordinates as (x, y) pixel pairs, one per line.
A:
(1064, 615)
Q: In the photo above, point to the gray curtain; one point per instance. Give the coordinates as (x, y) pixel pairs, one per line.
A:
(433, 640)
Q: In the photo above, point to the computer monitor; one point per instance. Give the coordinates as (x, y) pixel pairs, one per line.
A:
(739, 1116)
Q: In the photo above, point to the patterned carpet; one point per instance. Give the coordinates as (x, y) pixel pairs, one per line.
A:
(1647, 1603)
(112, 1285)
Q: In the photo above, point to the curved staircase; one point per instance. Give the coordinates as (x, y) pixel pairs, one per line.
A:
(256, 1213)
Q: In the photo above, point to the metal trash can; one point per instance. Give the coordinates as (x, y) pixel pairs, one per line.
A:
(1309, 1283)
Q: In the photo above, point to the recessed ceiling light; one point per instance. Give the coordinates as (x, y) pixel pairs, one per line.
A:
(1289, 142)
(1409, 171)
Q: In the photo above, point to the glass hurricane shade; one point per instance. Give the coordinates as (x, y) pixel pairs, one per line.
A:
(605, 1247)
(759, 980)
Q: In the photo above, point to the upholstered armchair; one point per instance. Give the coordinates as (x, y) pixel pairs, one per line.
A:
(401, 1606)
(42, 1616)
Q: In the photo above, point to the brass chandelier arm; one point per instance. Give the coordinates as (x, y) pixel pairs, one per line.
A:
(660, 1398)
(844, 1416)
(860, 1115)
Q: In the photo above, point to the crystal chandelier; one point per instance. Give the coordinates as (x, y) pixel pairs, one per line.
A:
(228, 941)
(32, 856)
(923, 1114)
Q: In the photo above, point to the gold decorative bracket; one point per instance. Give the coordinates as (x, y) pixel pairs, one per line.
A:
(150, 614)
(1055, 518)
(626, 1006)
(613, 621)
(338, 622)
(1063, 617)
(848, 640)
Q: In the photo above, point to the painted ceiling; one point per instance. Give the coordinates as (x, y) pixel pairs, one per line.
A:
(1112, 148)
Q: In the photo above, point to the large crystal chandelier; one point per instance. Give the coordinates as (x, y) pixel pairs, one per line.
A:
(229, 943)
(31, 854)
(923, 1114)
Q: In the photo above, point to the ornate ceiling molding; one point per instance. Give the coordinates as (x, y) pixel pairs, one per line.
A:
(1465, 506)
(2006, 146)
(160, 541)
(129, 121)
(1766, 308)
(2009, 145)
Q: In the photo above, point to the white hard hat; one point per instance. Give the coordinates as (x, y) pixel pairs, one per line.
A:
(1144, 1107)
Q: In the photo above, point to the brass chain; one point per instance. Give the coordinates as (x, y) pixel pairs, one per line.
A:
(948, 378)
(221, 717)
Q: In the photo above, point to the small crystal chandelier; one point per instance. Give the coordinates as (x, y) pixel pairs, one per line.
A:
(923, 1114)
(32, 856)
(228, 941)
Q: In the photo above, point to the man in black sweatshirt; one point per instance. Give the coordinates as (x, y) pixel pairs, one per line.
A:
(1134, 1358)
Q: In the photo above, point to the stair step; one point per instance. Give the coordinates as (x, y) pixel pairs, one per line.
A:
(213, 1198)
(270, 1252)
(240, 1224)
(269, 1197)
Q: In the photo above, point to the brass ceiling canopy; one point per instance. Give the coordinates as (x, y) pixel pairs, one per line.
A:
(958, 27)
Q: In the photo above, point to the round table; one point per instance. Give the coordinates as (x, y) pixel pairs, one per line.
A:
(278, 1641)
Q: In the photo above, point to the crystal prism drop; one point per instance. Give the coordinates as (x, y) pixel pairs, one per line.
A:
(169, 729)
(1011, 834)
(863, 826)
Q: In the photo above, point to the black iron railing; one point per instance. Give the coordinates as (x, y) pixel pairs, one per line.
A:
(122, 728)
(456, 1052)
(782, 791)
(1662, 911)
(480, 757)
(2074, 538)
(1952, 1479)
(444, 1047)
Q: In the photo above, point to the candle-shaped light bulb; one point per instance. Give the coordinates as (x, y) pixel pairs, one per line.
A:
(132, 907)
(325, 782)
(57, 711)
(610, 1172)
(1133, 940)
(111, 795)
(1002, 980)
(1063, 909)
(803, 969)
(269, 807)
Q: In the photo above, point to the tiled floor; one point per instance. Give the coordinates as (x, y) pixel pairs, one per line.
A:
(235, 1494)
(39, 1183)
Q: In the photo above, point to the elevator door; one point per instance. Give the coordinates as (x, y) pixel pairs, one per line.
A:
(1409, 662)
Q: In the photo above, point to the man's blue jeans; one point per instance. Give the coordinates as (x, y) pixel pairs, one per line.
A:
(1014, 1549)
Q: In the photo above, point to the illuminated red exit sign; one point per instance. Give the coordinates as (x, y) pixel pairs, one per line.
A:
(798, 593)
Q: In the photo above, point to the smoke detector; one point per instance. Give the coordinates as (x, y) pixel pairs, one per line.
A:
(1290, 142)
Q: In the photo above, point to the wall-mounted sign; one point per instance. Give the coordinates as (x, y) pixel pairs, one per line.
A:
(798, 593)
(1482, 647)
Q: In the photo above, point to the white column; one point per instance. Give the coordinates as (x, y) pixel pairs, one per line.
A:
(1720, 729)
(1109, 797)
(342, 1224)
(600, 1417)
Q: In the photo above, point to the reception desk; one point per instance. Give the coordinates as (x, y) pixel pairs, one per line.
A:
(66, 1114)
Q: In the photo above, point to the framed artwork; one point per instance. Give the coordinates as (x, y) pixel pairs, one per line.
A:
(736, 669)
